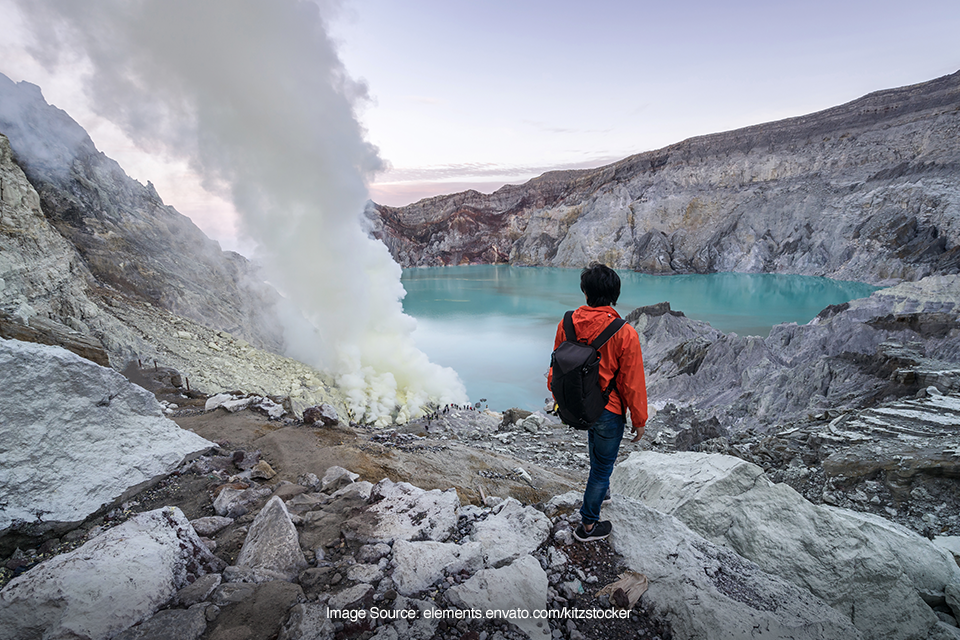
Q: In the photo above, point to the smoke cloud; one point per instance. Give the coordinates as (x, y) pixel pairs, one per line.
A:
(254, 94)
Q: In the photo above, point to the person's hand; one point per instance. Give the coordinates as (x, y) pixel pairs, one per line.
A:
(638, 430)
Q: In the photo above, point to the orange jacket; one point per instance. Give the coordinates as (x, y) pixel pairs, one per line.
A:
(620, 354)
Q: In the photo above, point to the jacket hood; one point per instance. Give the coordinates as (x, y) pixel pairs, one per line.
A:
(589, 322)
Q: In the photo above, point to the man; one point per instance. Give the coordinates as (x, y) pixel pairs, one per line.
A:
(620, 355)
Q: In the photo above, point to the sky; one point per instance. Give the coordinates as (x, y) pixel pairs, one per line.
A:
(480, 94)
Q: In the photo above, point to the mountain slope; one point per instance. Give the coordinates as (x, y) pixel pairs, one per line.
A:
(869, 190)
(128, 239)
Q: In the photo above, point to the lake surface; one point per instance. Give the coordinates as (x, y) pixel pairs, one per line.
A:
(495, 324)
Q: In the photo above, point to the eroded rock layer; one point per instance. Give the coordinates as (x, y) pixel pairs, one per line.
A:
(864, 191)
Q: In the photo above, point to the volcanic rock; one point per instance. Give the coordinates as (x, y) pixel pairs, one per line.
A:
(324, 414)
(400, 510)
(420, 564)
(519, 586)
(272, 549)
(109, 584)
(119, 225)
(890, 345)
(79, 436)
(708, 592)
(512, 530)
(865, 567)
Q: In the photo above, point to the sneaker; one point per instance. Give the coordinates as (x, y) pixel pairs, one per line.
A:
(600, 531)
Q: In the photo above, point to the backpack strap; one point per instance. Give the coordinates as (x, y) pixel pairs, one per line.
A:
(601, 340)
(571, 333)
(607, 333)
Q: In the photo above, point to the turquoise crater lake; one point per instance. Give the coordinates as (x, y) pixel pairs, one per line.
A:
(494, 324)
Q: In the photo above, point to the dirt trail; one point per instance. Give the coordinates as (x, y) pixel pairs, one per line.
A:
(293, 450)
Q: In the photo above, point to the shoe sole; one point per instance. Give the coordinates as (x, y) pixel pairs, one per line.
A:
(589, 537)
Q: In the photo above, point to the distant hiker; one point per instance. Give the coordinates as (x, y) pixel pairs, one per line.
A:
(621, 374)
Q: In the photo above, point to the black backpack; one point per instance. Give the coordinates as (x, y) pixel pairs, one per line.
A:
(576, 375)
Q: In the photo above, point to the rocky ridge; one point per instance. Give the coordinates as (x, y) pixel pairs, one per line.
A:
(865, 191)
(895, 343)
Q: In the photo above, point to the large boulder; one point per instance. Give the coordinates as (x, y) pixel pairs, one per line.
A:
(513, 530)
(272, 548)
(116, 580)
(708, 592)
(516, 593)
(401, 511)
(420, 564)
(869, 570)
(75, 436)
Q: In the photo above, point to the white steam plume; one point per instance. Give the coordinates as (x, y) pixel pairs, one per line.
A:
(254, 94)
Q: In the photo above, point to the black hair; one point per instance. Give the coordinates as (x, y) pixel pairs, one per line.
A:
(601, 284)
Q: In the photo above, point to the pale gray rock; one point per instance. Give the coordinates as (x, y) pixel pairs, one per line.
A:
(79, 436)
(199, 590)
(708, 592)
(308, 621)
(952, 597)
(233, 503)
(401, 511)
(420, 627)
(336, 478)
(235, 405)
(116, 580)
(351, 597)
(511, 531)
(369, 573)
(350, 496)
(371, 553)
(521, 585)
(532, 423)
(309, 480)
(209, 525)
(43, 281)
(118, 224)
(271, 408)
(216, 401)
(950, 543)
(564, 536)
(869, 570)
(556, 558)
(563, 503)
(245, 574)
(179, 624)
(420, 564)
(306, 502)
(92, 260)
(272, 546)
(232, 592)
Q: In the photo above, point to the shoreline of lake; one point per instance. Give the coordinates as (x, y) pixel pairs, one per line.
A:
(494, 324)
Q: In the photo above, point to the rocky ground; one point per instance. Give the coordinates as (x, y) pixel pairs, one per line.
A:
(485, 456)
(896, 460)
(899, 460)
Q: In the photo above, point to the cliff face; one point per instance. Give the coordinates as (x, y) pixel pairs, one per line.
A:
(866, 191)
(123, 234)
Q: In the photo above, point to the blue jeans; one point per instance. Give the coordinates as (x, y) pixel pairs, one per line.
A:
(603, 444)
